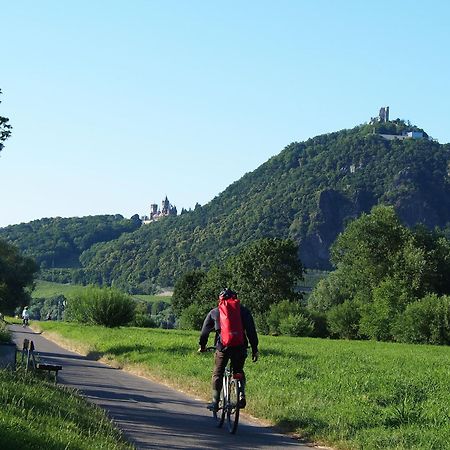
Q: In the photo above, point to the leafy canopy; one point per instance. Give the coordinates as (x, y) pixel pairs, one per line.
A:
(17, 275)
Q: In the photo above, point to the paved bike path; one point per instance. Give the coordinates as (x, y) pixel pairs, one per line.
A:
(151, 415)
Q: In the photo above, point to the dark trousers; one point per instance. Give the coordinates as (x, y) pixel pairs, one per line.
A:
(237, 356)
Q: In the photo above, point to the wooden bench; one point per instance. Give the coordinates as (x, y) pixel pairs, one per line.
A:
(33, 360)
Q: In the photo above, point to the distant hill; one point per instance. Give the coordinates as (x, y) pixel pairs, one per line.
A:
(59, 242)
(308, 192)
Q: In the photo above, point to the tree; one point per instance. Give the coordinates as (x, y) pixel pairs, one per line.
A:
(5, 129)
(186, 290)
(366, 251)
(16, 275)
(266, 272)
(382, 267)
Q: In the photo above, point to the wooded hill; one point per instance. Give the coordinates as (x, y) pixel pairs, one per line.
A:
(59, 242)
(308, 193)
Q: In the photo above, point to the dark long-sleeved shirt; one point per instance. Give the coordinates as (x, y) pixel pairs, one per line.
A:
(212, 323)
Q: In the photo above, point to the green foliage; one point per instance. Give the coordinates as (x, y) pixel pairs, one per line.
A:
(382, 267)
(289, 318)
(5, 335)
(266, 272)
(263, 273)
(343, 320)
(426, 321)
(186, 288)
(50, 308)
(330, 291)
(388, 300)
(142, 317)
(296, 325)
(58, 242)
(16, 275)
(5, 129)
(101, 306)
(344, 394)
(193, 316)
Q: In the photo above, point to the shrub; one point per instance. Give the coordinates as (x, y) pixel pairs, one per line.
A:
(142, 318)
(426, 321)
(5, 335)
(375, 320)
(296, 325)
(320, 325)
(377, 317)
(343, 320)
(193, 316)
(280, 311)
(101, 306)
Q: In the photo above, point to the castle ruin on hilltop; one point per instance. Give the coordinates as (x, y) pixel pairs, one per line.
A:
(167, 209)
(383, 117)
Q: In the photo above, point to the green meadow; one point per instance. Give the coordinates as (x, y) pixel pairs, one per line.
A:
(347, 394)
(49, 289)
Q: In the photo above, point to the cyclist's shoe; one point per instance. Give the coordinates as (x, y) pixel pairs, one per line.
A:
(242, 401)
(213, 406)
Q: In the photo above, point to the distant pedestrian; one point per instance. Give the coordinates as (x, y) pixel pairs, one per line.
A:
(25, 316)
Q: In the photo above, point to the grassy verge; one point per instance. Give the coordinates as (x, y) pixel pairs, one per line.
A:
(349, 394)
(37, 415)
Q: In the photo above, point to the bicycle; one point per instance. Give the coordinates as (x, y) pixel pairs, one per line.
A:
(229, 400)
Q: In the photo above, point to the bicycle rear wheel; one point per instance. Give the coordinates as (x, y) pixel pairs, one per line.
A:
(233, 406)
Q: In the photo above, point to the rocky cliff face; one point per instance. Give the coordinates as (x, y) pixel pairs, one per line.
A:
(334, 211)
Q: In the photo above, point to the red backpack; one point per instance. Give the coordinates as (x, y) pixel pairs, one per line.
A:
(231, 329)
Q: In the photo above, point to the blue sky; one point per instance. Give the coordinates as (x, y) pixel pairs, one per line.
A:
(116, 104)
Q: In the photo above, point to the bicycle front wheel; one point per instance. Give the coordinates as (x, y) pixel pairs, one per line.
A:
(233, 406)
(219, 415)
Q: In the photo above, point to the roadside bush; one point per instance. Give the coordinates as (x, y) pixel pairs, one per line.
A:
(4, 332)
(426, 321)
(343, 320)
(101, 306)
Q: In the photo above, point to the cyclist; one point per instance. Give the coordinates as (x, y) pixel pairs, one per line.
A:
(224, 354)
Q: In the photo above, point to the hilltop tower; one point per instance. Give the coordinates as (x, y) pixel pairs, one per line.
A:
(384, 114)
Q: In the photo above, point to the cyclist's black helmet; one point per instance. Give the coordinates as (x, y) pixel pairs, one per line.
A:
(227, 294)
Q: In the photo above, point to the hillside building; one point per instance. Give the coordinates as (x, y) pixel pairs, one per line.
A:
(167, 209)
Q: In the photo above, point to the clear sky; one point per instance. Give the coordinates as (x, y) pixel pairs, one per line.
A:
(116, 104)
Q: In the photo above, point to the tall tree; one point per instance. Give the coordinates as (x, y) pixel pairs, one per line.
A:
(16, 275)
(266, 272)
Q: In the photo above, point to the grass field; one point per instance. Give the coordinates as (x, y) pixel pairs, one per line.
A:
(35, 414)
(48, 289)
(348, 394)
